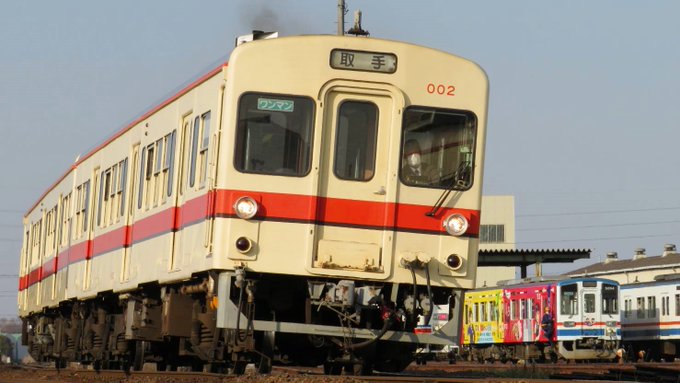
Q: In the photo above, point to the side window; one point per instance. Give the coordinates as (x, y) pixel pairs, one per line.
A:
(50, 231)
(122, 183)
(515, 313)
(203, 149)
(183, 156)
(112, 194)
(36, 234)
(569, 299)
(194, 147)
(142, 177)
(148, 175)
(274, 135)
(168, 164)
(82, 206)
(65, 219)
(355, 141)
(103, 205)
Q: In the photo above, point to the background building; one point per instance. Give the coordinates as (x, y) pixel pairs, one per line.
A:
(641, 268)
(497, 232)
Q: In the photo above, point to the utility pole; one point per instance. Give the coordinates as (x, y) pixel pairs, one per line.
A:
(341, 17)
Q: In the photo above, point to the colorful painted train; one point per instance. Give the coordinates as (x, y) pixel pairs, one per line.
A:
(650, 319)
(580, 319)
(308, 202)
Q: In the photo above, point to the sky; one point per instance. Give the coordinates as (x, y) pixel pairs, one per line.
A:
(584, 116)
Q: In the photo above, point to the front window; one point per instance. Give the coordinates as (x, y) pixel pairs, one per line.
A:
(274, 134)
(610, 294)
(438, 148)
(569, 299)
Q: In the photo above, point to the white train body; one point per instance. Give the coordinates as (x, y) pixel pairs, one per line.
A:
(650, 319)
(312, 131)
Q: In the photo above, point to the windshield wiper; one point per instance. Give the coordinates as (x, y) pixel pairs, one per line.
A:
(458, 180)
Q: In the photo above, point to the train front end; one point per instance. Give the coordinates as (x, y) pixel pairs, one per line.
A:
(347, 200)
(588, 319)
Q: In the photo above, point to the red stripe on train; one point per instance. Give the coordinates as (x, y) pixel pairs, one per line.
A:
(273, 206)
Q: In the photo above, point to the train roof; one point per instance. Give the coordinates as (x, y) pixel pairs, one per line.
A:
(659, 280)
(188, 88)
(545, 280)
(621, 265)
(129, 126)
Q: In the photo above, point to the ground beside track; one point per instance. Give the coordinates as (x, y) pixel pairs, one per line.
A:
(437, 371)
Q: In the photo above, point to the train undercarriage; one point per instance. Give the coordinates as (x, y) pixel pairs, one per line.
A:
(583, 349)
(220, 322)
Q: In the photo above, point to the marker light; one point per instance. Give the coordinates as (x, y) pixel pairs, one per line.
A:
(456, 224)
(244, 244)
(454, 261)
(245, 207)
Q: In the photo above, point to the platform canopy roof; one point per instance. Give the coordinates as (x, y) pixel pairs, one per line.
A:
(526, 257)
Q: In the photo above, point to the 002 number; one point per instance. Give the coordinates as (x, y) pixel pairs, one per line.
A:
(441, 89)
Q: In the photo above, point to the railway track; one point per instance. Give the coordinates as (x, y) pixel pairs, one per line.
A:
(433, 372)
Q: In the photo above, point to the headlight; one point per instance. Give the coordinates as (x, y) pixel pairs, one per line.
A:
(245, 207)
(456, 224)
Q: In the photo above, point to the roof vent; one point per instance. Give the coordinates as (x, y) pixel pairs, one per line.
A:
(356, 29)
(668, 249)
(256, 35)
(611, 257)
(639, 253)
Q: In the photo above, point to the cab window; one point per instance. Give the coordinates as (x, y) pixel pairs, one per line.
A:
(438, 148)
(274, 134)
(569, 299)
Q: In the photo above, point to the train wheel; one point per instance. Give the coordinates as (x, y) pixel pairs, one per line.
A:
(138, 361)
(239, 367)
(358, 368)
(266, 353)
(330, 368)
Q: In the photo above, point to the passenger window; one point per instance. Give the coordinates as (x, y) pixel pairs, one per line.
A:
(355, 141)
(203, 149)
(274, 135)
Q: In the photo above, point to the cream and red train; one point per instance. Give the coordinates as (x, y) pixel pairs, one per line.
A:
(267, 212)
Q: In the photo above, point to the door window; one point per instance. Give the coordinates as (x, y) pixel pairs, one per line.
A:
(589, 302)
(355, 141)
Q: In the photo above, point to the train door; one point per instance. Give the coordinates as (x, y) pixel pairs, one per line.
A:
(356, 182)
(591, 314)
(91, 205)
(181, 190)
(130, 215)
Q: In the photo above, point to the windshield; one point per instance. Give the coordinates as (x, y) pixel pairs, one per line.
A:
(274, 135)
(610, 295)
(437, 148)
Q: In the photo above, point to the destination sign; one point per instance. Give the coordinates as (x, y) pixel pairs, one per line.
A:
(275, 105)
(363, 61)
